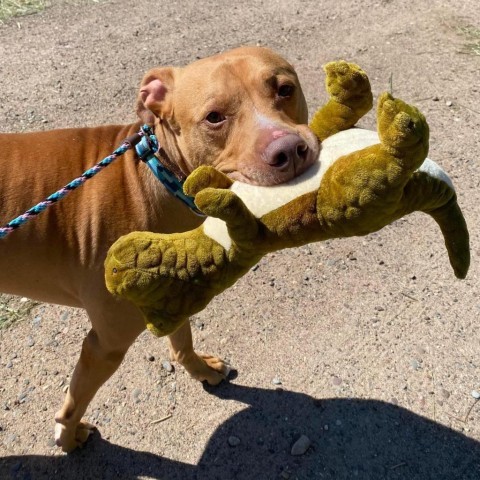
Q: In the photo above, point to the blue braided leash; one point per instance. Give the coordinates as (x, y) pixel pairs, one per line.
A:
(146, 145)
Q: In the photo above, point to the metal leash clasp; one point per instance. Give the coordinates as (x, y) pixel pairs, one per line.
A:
(148, 145)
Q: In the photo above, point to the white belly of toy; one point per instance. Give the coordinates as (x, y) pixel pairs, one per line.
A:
(261, 200)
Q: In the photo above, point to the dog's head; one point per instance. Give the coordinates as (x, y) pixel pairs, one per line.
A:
(242, 111)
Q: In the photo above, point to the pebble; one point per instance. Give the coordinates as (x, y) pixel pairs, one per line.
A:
(30, 341)
(233, 441)
(448, 103)
(445, 394)
(276, 381)
(166, 365)
(136, 395)
(336, 381)
(476, 394)
(415, 364)
(301, 446)
(22, 397)
(150, 358)
(9, 439)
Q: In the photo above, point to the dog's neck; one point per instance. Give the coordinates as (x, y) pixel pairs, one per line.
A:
(169, 154)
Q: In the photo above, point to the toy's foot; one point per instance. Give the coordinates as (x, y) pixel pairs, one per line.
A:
(402, 127)
(71, 438)
(348, 84)
(204, 177)
(206, 368)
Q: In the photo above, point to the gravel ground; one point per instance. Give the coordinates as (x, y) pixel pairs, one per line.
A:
(368, 347)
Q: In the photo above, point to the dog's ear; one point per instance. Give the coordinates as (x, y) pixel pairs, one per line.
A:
(155, 95)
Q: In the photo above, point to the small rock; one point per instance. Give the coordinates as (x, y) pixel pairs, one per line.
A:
(325, 427)
(24, 299)
(136, 395)
(166, 365)
(285, 474)
(233, 441)
(448, 103)
(475, 394)
(379, 309)
(338, 423)
(336, 381)
(435, 98)
(10, 439)
(30, 342)
(301, 446)
(445, 394)
(151, 358)
(51, 443)
(255, 267)
(415, 364)
(276, 381)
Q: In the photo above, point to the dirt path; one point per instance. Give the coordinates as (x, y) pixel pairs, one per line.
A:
(374, 342)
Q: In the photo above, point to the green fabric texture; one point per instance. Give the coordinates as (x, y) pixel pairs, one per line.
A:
(170, 277)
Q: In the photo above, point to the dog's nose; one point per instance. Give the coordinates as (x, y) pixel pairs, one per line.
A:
(287, 150)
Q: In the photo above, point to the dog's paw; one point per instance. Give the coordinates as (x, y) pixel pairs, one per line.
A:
(401, 126)
(349, 85)
(71, 438)
(206, 368)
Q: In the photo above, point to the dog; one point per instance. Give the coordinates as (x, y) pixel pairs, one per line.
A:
(241, 111)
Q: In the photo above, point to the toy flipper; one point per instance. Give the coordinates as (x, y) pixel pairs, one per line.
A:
(435, 195)
(455, 233)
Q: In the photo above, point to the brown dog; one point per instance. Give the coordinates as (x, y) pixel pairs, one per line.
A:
(242, 111)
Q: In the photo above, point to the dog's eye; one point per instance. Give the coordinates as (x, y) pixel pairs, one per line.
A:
(215, 118)
(286, 90)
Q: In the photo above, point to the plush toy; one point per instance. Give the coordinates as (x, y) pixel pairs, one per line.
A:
(361, 182)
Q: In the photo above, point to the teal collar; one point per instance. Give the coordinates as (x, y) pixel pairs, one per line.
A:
(146, 149)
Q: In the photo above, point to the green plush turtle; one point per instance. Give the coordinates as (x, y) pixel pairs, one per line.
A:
(363, 180)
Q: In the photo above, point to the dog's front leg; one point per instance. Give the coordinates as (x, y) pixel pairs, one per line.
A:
(102, 352)
(200, 366)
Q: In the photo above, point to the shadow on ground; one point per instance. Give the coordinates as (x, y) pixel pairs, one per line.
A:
(365, 439)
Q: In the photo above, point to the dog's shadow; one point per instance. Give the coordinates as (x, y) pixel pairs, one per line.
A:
(364, 439)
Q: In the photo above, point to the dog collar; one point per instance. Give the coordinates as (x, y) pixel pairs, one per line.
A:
(146, 149)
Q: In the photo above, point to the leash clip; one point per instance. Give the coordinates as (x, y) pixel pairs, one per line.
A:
(148, 145)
